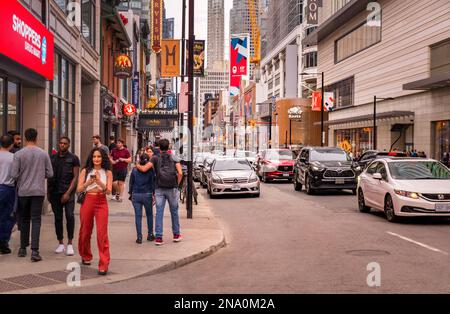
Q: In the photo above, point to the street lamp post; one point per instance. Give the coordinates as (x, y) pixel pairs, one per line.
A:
(322, 109)
(375, 99)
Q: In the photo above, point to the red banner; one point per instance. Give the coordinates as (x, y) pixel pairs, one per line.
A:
(25, 39)
(156, 32)
(316, 101)
(239, 61)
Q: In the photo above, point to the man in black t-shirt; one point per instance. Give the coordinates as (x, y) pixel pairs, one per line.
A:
(61, 193)
(112, 143)
(168, 177)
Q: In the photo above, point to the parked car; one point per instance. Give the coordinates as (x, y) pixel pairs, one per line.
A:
(405, 187)
(371, 155)
(206, 170)
(198, 166)
(232, 176)
(275, 164)
(250, 156)
(320, 168)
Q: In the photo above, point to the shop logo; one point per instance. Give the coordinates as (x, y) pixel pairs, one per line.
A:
(44, 51)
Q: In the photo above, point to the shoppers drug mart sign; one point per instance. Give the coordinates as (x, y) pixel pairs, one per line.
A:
(25, 39)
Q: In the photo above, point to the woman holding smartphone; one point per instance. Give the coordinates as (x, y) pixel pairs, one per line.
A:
(96, 180)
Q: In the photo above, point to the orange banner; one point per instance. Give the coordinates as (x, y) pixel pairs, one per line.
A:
(170, 58)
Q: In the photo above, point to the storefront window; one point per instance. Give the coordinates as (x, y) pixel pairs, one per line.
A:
(62, 103)
(13, 90)
(355, 141)
(442, 141)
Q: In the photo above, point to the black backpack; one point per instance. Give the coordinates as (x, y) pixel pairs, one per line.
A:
(167, 172)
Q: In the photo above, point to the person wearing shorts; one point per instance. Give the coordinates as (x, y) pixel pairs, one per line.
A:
(120, 158)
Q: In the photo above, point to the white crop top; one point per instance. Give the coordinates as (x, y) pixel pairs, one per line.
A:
(102, 178)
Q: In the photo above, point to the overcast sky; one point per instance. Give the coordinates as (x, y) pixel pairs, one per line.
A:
(174, 9)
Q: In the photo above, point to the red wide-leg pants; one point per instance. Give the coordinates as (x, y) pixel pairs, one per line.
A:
(94, 206)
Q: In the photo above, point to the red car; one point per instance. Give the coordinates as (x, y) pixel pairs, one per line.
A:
(276, 164)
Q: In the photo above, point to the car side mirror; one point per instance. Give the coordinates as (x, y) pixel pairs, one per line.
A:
(303, 160)
(378, 176)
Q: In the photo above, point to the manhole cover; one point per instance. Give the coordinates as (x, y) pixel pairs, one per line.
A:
(31, 281)
(368, 253)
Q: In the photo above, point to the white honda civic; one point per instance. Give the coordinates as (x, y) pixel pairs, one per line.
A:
(405, 187)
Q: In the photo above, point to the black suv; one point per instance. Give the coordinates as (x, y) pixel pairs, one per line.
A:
(320, 168)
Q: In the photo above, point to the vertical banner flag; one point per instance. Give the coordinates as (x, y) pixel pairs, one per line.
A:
(135, 93)
(156, 27)
(329, 102)
(316, 101)
(312, 11)
(199, 57)
(249, 105)
(170, 58)
(239, 61)
(184, 98)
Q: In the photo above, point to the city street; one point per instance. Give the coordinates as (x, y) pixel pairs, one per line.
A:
(289, 242)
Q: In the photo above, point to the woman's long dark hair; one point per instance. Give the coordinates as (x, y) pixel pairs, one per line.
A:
(106, 163)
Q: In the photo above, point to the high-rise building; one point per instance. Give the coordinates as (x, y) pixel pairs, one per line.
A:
(216, 31)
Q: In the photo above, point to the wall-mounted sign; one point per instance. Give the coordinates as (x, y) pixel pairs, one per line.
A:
(170, 58)
(154, 124)
(123, 67)
(156, 27)
(25, 39)
(129, 110)
(295, 113)
(312, 11)
(152, 103)
(135, 90)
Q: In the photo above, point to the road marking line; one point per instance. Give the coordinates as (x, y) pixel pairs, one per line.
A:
(418, 243)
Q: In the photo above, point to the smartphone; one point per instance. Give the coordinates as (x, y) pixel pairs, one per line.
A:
(93, 176)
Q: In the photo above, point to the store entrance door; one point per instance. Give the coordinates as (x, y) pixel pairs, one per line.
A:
(9, 105)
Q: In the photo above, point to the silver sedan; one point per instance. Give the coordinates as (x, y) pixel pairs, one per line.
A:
(233, 177)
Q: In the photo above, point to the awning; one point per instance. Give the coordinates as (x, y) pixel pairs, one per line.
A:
(348, 12)
(119, 29)
(436, 81)
(369, 117)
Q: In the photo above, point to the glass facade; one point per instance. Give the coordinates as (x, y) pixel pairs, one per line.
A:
(355, 141)
(442, 141)
(62, 103)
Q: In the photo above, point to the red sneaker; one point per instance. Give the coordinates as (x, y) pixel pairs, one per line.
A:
(177, 238)
(159, 241)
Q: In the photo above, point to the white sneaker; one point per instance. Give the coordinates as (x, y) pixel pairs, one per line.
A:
(60, 249)
(70, 251)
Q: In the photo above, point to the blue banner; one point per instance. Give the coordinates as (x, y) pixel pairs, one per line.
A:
(135, 87)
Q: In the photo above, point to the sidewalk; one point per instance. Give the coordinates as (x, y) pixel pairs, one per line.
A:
(202, 236)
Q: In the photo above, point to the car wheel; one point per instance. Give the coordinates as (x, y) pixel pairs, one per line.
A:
(362, 202)
(389, 210)
(211, 196)
(264, 178)
(297, 185)
(308, 188)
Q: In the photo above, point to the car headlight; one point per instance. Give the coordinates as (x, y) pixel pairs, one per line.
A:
(412, 195)
(253, 178)
(216, 179)
(318, 169)
(358, 169)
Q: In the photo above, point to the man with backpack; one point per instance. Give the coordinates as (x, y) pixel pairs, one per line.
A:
(168, 178)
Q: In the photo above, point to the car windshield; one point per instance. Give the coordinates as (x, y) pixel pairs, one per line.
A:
(329, 155)
(279, 155)
(420, 170)
(229, 165)
(244, 154)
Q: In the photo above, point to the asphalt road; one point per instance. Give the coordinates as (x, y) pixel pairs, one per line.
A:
(289, 242)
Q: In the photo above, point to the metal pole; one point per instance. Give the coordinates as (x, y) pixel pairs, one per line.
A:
(183, 69)
(375, 122)
(322, 130)
(270, 125)
(290, 132)
(191, 108)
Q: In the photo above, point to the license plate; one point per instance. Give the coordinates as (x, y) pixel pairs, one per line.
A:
(340, 181)
(286, 174)
(442, 208)
(235, 188)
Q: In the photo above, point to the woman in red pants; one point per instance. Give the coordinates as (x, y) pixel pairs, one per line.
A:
(96, 180)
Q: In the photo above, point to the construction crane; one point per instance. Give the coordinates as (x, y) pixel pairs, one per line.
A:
(256, 37)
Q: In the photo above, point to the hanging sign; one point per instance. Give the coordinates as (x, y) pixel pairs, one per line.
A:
(123, 67)
(129, 110)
